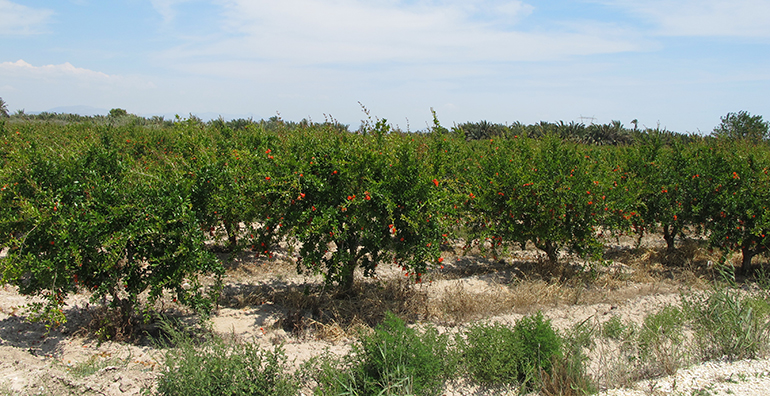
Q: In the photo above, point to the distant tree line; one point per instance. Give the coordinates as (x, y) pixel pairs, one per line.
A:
(734, 126)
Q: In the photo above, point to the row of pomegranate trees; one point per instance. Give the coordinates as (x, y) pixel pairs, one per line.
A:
(560, 195)
(719, 189)
(125, 210)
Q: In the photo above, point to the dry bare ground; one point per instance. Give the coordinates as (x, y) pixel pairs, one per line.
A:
(266, 302)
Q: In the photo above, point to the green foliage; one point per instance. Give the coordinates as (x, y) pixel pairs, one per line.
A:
(660, 342)
(615, 329)
(391, 360)
(491, 354)
(123, 207)
(373, 197)
(396, 359)
(539, 344)
(664, 186)
(743, 126)
(606, 134)
(568, 374)
(729, 325)
(550, 193)
(726, 324)
(90, 217)
(3, 109)
(734, 191)
(224, 367)
(496, 354)
(117, 113)
(482, 130)
(328, 374)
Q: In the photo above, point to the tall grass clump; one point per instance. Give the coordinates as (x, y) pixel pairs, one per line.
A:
(568, 374)
(660, 343)
(219, 366)
(729, 324)
(631, 352)
(391, 360)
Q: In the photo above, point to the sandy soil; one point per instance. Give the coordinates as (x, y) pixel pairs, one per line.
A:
(67, 361)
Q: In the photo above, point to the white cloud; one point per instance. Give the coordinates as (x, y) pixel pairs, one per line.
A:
(356, 32)
(514, 9)
(16, 19)
(67, 72)
(732, 18)
(21, 67)
(38, 88)
(166, 8)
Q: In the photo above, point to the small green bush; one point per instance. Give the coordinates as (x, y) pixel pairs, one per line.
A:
(496, 354)
(491, 354)
(398, 360)
(539, 345)
(224, 367)
(615, 329)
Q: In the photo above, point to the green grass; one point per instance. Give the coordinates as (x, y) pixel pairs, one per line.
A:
(396, 359)
(222, 366)
(95, 363)
(660, 342)
(730, 325)
(399, 360)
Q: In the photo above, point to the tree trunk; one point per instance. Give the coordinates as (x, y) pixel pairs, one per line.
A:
(346, 279)
(232, 237)
(551, 250)
(669, 234)
(347, 272)
(748, 254)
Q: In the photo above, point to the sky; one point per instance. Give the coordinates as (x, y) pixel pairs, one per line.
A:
(676, 64)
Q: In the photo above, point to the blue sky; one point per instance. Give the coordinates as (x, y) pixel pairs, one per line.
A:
(682, 64)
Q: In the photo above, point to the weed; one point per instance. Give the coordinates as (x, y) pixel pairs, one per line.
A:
(660, 342)
(729, 325)
(616, 330)
(491, 354)
(224, 367)
(391, 360)
(539, 344)
(565, 379)
(327, 374)
(496, 354)
(96, 363)
(568, 372)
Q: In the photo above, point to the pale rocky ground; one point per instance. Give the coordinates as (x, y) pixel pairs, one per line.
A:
(33, 362)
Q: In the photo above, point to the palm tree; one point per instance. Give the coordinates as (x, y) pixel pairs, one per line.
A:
(3, 109)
